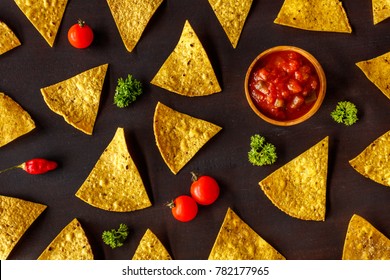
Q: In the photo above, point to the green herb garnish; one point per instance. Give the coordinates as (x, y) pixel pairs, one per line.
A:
(127, 91)
(262, 152)
(116, 238)
(345, 112)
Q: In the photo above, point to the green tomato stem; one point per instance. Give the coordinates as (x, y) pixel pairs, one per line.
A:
(80, 22)
(194, 177)
(170, 204)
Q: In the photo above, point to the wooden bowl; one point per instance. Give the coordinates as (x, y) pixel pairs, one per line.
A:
(320, 90)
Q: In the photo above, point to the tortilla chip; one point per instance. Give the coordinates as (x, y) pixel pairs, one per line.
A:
(132, 17)
(377, 71)
(151, 248)
(14, 120)
(114, 183)
(238, 241)
(179, 136)
(8, 39)
(46, 16)
(299, 187)
(188, 70)
(232, 15)
(374, 161)
(364, 242)
(314, 15)
(70, 244)
(380, 10)
(77, 99)
(17, 216)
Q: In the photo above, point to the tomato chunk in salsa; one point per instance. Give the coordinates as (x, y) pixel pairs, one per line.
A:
(284, 85)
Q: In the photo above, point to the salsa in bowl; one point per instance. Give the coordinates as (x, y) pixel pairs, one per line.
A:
(285, 85)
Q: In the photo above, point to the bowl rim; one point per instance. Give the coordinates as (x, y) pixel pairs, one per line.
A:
(321, 92)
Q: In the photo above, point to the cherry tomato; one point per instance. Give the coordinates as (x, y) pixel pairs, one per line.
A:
(184, 208)
(204, 190)
(80, 35)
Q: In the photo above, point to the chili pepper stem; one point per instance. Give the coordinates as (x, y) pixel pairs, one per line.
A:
(14, 167)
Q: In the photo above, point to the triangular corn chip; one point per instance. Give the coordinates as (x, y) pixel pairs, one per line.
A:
(77, 99)
(238, 241)
(232, 15)
(151, 248)
(14, 120)
(132, 17)
(374, 161)
(299, 187)
(114, 183)
(188, 70)
(8, 39)
(17, 215)
(364, 242)
(179, 136)
(377, 71)
(380, 10)
(314, 15)
(70, 244)
(45, 15)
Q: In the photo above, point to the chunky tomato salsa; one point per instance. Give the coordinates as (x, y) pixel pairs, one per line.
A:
(284, 85)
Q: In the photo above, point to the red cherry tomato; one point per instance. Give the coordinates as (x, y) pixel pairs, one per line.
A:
(80, 35)
(184, 208)
(204, 190)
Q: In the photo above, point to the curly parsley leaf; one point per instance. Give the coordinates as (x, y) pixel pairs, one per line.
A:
(345, 113)
(127, 91)
(115, 238)
(261, 152)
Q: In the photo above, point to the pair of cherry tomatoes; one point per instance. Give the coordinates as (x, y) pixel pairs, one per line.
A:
(204, 191)
(80, 35)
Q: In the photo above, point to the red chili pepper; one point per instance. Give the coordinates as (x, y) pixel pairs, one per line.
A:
(39, 166)
(36, 166)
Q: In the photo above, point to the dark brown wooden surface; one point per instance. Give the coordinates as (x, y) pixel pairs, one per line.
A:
(26, 69)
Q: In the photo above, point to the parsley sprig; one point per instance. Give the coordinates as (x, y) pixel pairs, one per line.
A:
(127, 91)
(115, 238)
(345, 113)
(261, 152)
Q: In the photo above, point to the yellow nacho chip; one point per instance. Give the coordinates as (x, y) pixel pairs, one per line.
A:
(45, 15)
(377, 71)
(17, 215)
(380, 10)
(151, 248)
(188, 70)
(299, 187)
(179, 136)
(232, 15)
(236, 240)
(114, 183)
(70, 244)
(77, 99)
(14, 120)
(132, 17)
(8, 39)
(364, 242)
(374, 161)
(314, 15)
